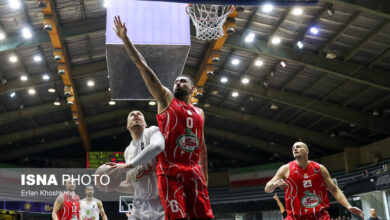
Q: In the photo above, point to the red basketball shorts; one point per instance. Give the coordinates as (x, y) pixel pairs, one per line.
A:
(183, 192)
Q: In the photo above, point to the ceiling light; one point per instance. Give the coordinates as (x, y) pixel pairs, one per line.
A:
(330, 11)
(207, 105)
(12, 94)
(275, 40)
(375, 112)
(112, 102)
(45, 77)
(224, 80)
(24, 78)
(2, 36)
(300, 44)
(31, 91)
(13, 59)
(274, 107)
(51, 90)
(330, 55)
(235, 61)
(259, 63)
(152, 103)
(57, 103)
(297, 11)
(90, 83)
(14, 4)
(214, 92)
(314, 30)
(234, 94)
(250, 37)
(282, 64)
(37, 58)
(245, 80)
(267, 7)
(26, 33)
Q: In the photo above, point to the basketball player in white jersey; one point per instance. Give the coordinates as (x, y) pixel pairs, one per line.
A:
(141, 179)
(90, 207)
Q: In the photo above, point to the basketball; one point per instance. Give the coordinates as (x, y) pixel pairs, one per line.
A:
(113, 173)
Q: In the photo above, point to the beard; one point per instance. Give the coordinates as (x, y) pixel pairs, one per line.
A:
(180, 94)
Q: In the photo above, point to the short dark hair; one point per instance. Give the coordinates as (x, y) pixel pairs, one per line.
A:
(188, 77)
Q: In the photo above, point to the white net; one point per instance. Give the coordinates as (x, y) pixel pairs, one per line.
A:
(208, 19)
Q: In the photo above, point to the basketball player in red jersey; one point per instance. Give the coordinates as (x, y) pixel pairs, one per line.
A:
(182, 167)
(305, 183)
(67, 206)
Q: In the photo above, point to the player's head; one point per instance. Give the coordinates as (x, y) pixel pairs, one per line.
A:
(300, 150)
(89, 190)
(373, 213)
(183, 87)
(70, 185)
(135, 119)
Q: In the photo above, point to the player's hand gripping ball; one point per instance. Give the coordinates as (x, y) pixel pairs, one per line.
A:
(106, 172)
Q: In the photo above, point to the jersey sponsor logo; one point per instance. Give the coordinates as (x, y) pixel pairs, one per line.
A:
(188, 142)
(310, 200)
(307, 184)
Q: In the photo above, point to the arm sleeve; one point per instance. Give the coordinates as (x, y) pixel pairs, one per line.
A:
(126, 154)
(156, 146)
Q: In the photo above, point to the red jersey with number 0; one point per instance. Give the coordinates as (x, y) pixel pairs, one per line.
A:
(306, 194)
(70, 209)
(182, 127)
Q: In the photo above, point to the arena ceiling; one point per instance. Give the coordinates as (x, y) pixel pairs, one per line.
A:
(334, 92)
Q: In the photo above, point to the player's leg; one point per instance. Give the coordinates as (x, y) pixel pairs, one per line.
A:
(172, 194)
(199, 206)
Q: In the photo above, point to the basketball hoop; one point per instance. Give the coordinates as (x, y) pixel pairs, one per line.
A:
(208, 19)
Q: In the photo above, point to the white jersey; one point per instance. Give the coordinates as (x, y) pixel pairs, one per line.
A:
(89, 210)
(143, 177)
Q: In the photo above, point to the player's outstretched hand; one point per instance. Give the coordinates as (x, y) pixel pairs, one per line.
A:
(356, 211)
(120, 28)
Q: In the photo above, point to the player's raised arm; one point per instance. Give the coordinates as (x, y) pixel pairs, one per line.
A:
(162, 95)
